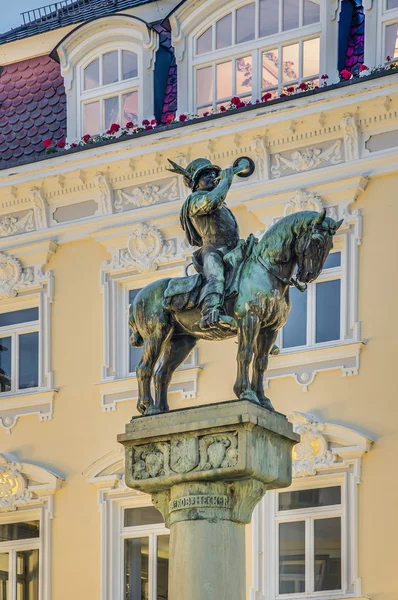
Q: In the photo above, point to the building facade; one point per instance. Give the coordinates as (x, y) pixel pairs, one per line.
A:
(95, 96)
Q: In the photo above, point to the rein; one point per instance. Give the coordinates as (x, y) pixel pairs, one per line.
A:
(290, 282)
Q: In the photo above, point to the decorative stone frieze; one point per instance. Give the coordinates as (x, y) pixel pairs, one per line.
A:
(261, 157)
(306, 159)
(147, 195)
(40, 207)
(302, 200)
(351, 136)
(145, 249)
(13, 486)
(311, 454)
(11, 225)
(105, 193)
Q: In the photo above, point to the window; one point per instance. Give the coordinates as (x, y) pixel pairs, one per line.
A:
(110, 90)
(316, 315)
(19, 350)
(263, 46)
(145, 554)
(388, 33)
(19, 560)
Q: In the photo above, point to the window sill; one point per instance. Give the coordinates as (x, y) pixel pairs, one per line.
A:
(38, 401)
(185, 381)
(304, 364)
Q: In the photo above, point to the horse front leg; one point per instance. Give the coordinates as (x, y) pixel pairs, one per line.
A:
(248, 330)
(265, 341)
(150, 354)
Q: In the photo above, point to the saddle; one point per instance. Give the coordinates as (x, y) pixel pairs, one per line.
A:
(182, 293)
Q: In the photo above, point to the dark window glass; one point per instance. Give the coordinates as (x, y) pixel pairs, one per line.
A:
(5, 364)
(110, 68)
(19, 316)
(392, 4)
(291, 12)
(29, 360)
(134, 353)
(204, 42)
(136, 552)
(312, 12)
(269, 17)
(4, 575)
(333, 260)
(327, 546)
(292, 557)
(163, 567)
(295, 330)
(10, 532)
(28, 575)
(142, 515)
(327, 496)
(224, 32)
(245, 19)
(328, 311)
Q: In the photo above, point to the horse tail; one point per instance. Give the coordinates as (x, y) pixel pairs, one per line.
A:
(136, 338)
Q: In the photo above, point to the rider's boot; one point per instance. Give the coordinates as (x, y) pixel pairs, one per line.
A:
(211, 314)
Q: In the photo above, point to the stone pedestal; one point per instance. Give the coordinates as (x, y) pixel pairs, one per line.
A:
(206, 469)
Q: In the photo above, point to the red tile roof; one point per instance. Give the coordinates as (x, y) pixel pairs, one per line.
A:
(32, 108)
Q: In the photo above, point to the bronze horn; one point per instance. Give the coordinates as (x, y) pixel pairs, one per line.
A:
(243, 167)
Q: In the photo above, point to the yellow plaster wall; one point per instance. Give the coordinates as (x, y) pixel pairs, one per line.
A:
(80, 433)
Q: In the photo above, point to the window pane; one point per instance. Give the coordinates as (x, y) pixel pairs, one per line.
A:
(111, 111)
(129, 64)
(19, 316)
(110, 68)
(134, 353)
(292, 557)
(224, 80)
(244, 75)
(91, 75)
(163, 567)
(295, 330)
(204, 85)
(310, 498)
(136, 568)
(29, 360)
(290, 65)
(291, 12)
(10, 532)
(245, 19)
(269, 17)
(327, 546)
(333, 260)
(4, 574)
(311, 57)
(392, 40)
(392, 4)
(224, 32)
(142, 515)
(204, 42)
(130, 107)
(92, 117)
(270, 68)
(27, 575)
(5, 364)
(312, 13)
(328, 311)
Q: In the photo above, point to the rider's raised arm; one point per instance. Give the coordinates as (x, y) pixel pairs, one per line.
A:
(206, 202)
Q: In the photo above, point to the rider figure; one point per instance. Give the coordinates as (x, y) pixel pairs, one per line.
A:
(209, 224)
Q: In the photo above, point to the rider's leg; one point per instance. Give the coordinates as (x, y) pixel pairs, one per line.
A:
(265, 341)
(212, 295)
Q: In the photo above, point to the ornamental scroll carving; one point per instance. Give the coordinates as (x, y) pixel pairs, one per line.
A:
(153, 193)
(307, 159)
(13, 486)
(303, 200)
(146, 248)
(13, 276)
(10, 225)
(311, 454)
(185, 454)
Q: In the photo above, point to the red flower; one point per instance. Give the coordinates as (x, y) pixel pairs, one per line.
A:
(325, 76)
(266, 97)
(222, 108)
(363, 68)
(61, 143)
(130, 125)
(388, 58)
(169, 119)
(303, 86)
(182, 118)
(240, 104)
(114, 128)
(235, 100)
(345, 74)
(290, 88)
(154, 122)
(206, 114)
(145, 122)
(47, 143)
(282, 95)
(86, 138)
(148, 127)
(74, 145)
(257, 101)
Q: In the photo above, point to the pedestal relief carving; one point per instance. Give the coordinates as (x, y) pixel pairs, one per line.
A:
(307, 159)
(13, 486)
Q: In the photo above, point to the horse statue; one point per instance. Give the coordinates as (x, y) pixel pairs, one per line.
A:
(259, 308)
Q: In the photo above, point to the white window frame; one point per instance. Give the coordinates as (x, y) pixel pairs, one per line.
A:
(386, 17)
(102, 92)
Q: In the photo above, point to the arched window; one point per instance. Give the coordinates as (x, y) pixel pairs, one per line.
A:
(254, 48)
(109, 90)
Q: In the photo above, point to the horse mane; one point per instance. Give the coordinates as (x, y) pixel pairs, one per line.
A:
(277, 242)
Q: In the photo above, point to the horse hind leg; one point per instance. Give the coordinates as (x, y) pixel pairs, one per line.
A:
(150, 355)
(176, 350)
(264, 344)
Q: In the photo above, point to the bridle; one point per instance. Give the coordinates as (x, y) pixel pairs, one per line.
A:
(290, 282)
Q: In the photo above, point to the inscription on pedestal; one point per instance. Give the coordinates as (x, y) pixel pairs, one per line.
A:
(201, 501)
(185, 454)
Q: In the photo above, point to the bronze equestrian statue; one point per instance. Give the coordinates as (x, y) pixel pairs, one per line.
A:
(241, 287)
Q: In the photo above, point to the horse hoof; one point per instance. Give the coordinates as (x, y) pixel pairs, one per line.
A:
(152, 410)
(250, 396)
(142, 407)
(266, 403)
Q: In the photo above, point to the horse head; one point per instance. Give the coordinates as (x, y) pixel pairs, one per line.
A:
(313, 247)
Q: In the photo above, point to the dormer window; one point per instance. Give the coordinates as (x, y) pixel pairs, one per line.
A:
(110, 84)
